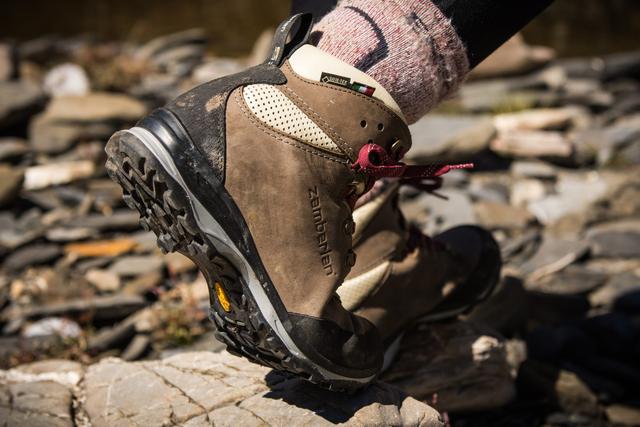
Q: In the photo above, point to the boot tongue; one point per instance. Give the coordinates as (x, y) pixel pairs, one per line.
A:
(314, 64)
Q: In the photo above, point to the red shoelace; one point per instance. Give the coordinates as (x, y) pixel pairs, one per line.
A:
(376, 163)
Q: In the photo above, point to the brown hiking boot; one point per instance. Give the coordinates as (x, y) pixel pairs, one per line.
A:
(402, 275)
(254, 176)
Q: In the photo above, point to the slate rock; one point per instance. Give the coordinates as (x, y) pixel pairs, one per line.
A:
(500, 95)
(10, 183)
(7, 61)
(574, 193)
(435, 215)
(533, 169)
(12, 148)
(602, 144)
(623, 414)
(501, 215)
(19, 100)
(554, 255)
(59, 326)
(104, 280)
(135, 265)
(436, 359)
(17, 232)
(216, 388)
(43, 176)
(31, 256)
(40, 403)
(525, 191)
(49, 136)
(136, 348)
(95, 107)
(121, 219)
(449, 138)
(217, 67)
(513, 57)
(158, 45)
(101, 308)
(573, 280)
(617, 239)
(532, 144)
(65, 372)
(540, 119)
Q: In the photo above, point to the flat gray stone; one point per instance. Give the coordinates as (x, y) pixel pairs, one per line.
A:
(602, 144)
(7, 61)
(18, 101)
(41, 403)
(623, 415)
(574, 193)
(11, 148)
(532, 144)
(122, 219)
(35, 254)
(442, 138)
(10, 183)
(553, 255)
(95, 107)
(540, 119)
(43, 176)
(501, 215)
(216, 388)
(618, 239)
(135, 265)
(51, 136)
(574, 280)
(533, 169)
(105, 308)
(158, 45)
(435, 215)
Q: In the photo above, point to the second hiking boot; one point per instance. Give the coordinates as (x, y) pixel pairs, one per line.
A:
(254, 176)
(402, 275)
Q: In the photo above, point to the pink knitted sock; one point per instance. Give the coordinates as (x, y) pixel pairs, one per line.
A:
(408, 46)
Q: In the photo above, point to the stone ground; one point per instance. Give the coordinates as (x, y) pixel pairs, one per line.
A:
(191, 389)
(556, 145)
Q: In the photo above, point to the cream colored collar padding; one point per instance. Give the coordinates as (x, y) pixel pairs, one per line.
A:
(310, 62)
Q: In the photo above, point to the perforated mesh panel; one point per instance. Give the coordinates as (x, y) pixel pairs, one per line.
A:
(274, 108)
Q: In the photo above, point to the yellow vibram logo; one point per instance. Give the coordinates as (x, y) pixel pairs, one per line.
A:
(222, 297)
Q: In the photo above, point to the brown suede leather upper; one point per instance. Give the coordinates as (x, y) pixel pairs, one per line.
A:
(295, 199)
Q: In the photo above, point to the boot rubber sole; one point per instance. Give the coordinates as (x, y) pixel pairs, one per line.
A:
(245, 317)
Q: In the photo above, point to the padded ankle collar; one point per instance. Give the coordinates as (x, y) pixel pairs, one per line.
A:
(314, 64)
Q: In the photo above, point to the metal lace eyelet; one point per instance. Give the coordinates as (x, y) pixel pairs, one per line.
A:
(351, 258)
(349, 227)
(398, 149)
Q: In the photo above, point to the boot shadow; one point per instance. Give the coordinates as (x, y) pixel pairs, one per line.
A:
(335, 407)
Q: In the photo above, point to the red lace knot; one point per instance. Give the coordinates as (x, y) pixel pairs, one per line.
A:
(374, 161)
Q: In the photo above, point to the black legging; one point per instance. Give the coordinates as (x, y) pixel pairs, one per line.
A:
(483, 25)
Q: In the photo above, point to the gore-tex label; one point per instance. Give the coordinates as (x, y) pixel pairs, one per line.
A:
(335, 80)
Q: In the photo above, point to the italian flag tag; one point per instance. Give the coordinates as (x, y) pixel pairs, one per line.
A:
(363, 89)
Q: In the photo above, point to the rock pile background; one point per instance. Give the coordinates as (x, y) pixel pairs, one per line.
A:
(99, 328)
